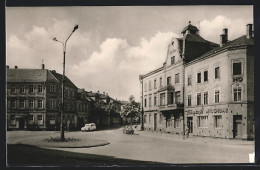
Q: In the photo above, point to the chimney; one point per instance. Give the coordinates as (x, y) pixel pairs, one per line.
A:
(7, 67)
(249, 30)
(16, 67)
(43, 67)
(224, 37)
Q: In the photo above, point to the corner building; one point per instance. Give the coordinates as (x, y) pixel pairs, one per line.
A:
(163, 88)
(219, 90)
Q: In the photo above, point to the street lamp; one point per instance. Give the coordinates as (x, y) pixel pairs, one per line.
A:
(142, 123)
(62, 84)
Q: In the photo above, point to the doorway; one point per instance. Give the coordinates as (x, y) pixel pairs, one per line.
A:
(190, 124)
(155, 121)
(21, 123)
(237, 129)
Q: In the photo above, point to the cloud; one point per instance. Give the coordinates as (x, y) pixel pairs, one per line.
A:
(116, 66)
(212, 29)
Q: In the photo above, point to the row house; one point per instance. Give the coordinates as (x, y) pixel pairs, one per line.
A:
(34, 99)
(178, 96)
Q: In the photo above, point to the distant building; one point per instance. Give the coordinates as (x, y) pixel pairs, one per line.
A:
(34, 99)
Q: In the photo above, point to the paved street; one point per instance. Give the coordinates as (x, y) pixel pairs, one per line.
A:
(147, 147)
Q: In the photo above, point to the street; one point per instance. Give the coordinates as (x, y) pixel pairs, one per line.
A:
(141, 146)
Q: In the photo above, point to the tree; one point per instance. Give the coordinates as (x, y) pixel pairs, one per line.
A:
(131, 110)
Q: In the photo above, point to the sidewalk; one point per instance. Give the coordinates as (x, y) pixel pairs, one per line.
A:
(199, 139)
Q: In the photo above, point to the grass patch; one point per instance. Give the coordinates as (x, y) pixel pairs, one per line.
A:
(58, 139)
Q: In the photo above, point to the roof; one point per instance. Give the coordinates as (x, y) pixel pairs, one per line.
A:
(241, 41)
(90, 94)
(190, 27)
(26, 75)
(168, 87)
(66, 79)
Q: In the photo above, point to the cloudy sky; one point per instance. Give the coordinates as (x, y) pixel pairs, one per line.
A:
(113, 45)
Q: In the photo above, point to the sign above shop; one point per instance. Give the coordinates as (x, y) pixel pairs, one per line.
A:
(206, 111)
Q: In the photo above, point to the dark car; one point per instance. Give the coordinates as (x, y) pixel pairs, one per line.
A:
(128, 130)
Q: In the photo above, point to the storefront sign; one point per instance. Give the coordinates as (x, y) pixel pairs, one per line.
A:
(206, 111)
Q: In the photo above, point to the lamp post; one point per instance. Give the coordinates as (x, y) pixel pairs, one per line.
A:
(142, 123)
(62, 83)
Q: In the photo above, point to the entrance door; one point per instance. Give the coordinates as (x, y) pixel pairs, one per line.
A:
(237, 129)
(190, 124)
(21, 123)
(155, 122)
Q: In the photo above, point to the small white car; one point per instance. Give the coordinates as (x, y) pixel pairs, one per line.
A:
(88, 127)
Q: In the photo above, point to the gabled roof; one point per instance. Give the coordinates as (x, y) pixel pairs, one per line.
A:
(241, 41)
(66, 79)
(26, 75)
(168, 87)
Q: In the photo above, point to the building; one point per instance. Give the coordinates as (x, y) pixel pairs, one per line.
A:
(219, 90)
(34, 99)
(163, 88)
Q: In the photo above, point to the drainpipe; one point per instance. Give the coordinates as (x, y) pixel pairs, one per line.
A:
(183, 56)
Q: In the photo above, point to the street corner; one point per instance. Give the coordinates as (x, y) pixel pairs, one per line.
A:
(79, 143)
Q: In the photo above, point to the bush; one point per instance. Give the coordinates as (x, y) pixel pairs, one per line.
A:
(58, 139)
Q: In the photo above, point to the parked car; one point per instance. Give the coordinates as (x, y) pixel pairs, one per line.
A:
(88, 127)
(128, 130)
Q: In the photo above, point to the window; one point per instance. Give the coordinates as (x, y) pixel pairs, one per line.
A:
(205, 76)
(31, 89)
(52, 119)
(217, 74)
(149, 118)
(178, 97)
(22, 89)
(172, 60)
(144, 102)
(162, 99)
(40, 89)
(154, 84)
(189, 80)
(150, 85)
(218, 121)
(39, 117)
(145, 119)
(30, 118)
(40, 104)
(199, 77)
(198, 99)
(161, 82)
(168, 80)
(13, 121)
(177, 78)
(155, 99)
(189, 100)
(205, 97)
(22, 103)
(161, 119)
(53, 103)
(237, 68)
(170, 98)
(202, 121)
(145, 86)
(169, 122)
(216, 96)
(237, 94)
(150, 100)
(13, 89)
(31, 104)
(13, 103)
(52, 89)
(177, 122)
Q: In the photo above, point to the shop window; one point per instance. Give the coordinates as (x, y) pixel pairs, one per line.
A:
(178, 97)
(168, 80)
(217, 73)
(169, 122)
(13, 121)
(52, 119)
(205, 76)
(172, 60)
(31, 104)
(154, 84)
(22, 89)
(161, 119)
(162, 99)
(205, 98)
(189, 100)
(216, 96)
(237, 68)
(199, 99)
(177, 78)
(218, 121)
(202, 121)
(237, 94)
(13, 89)
(177, 122)
(40, 119)
(31, 88)
(40, 89)
(198, 77)
(31, 119)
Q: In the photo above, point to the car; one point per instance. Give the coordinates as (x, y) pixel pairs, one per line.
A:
(88, 127)
(128, 130)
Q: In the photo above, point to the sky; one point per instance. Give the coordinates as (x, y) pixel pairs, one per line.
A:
(113, 45)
